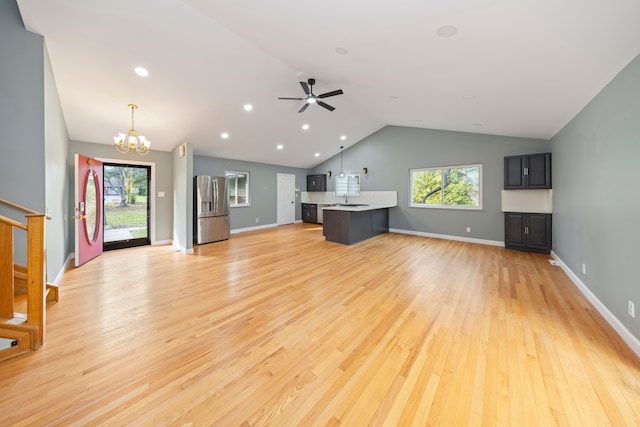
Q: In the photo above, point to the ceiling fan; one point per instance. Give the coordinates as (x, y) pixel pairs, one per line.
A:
(314, 99)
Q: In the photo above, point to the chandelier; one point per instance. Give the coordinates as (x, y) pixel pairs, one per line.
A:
(132, 141)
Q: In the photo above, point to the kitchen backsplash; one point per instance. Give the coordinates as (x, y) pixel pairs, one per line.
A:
(368, 197)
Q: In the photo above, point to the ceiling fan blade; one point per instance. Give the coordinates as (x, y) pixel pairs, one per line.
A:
(297, 99)
(305, 87)
(333, 93)
(325, 105)
(304, 107)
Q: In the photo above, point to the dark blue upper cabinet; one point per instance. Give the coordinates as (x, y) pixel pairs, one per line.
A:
(527, 172)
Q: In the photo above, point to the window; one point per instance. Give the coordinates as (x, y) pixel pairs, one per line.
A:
(452, 187)
(348, 184)
(238, 188)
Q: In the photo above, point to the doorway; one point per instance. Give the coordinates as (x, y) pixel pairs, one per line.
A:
(127, 208)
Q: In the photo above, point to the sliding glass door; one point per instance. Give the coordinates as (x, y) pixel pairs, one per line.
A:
(126, 205)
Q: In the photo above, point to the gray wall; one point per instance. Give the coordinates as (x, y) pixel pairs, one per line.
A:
(389, 154)
(262, 188)
(22, 171)
(597, 194)
(56, 148)
(163, 182)
(34, 136)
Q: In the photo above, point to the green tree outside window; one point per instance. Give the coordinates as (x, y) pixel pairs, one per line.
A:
(457, 186)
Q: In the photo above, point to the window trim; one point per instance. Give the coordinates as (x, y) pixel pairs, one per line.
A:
(248, 187)
(442, 206)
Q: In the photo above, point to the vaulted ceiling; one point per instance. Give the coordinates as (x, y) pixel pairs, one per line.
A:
(520, 68)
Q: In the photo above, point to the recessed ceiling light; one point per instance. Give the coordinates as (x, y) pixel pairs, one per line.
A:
(476, 124)
(142, 72)
(317, 154)
(447, 31)
(305, 126)
(393, 97)
(248, 107)
(224, 135)
(280, 146)
(469, 97)
(341, 51)
(343, 137)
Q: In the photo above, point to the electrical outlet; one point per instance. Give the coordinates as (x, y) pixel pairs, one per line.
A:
(584, 269)
(632, 309)
(257, 220)
(468, 229)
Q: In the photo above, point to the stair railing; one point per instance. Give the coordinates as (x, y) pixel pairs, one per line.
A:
(36, 275)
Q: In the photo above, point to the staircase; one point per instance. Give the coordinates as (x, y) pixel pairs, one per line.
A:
(23, 332)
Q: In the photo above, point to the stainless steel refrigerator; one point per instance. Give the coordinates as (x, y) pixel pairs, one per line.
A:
(210, 209)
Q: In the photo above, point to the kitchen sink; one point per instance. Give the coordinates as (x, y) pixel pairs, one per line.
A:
(351, 204)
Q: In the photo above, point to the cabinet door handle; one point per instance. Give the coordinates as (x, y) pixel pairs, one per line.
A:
(526, 230)
(526, 171)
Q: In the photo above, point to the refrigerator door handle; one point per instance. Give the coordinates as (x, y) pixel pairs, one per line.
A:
(214, 183)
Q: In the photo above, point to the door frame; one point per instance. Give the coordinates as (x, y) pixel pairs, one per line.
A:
(152, 190)
(133, 242)
(279, 214)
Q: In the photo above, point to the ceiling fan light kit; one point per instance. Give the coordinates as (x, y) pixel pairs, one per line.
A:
(311, 98)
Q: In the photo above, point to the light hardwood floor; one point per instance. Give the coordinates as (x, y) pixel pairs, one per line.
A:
(278, 327)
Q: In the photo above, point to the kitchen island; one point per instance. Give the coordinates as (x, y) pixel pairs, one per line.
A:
(352, 223)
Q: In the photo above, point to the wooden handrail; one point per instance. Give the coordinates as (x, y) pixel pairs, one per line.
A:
(23, 209)
(12, 222)
(17, 206)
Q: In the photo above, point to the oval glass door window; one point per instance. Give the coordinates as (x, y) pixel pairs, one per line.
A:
(91, 207)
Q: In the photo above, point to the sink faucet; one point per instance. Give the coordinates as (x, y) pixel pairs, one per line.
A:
(345, 199)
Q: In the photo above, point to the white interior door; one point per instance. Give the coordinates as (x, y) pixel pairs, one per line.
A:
(286, 212)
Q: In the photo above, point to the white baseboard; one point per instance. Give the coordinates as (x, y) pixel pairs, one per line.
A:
(447, 237)
(161, 242)
(182, 249)
(56, 281)
(257, 227)
(615, 323)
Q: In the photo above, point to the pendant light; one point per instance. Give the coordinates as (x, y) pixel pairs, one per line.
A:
(131, 140)
(341, 172)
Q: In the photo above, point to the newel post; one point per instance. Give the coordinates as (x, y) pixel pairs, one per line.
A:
(36, 293)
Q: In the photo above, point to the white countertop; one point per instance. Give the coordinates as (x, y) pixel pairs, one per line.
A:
(359, 208)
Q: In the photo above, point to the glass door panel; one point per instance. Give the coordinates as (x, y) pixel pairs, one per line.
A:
(126, 205)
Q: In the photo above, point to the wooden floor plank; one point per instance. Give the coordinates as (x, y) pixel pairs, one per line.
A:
(279, 327)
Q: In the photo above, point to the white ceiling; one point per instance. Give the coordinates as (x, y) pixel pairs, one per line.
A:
(520, 68)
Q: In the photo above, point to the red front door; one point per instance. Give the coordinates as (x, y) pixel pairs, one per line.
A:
(88, 208)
